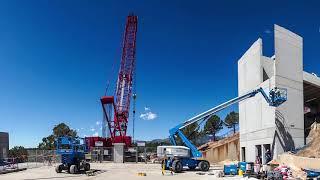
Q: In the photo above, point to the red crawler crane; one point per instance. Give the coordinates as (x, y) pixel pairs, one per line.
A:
(121, 101)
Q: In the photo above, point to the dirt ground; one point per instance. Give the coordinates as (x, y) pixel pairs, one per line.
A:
(111, 171)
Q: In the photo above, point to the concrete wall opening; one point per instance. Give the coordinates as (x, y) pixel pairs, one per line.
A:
(265, 75)
(258, 153)
(311, 106)
(266, 153)
(243, 153)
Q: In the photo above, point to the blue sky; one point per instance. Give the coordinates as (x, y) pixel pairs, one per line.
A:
(56, 57)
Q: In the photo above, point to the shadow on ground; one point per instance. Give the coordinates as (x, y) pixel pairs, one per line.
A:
(81, 173)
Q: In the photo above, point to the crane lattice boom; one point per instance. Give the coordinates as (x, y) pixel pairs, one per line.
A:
(123, 94)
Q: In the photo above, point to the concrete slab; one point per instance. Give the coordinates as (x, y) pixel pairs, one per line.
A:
(110, 171)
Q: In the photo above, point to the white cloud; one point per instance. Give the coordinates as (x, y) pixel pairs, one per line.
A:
(267, 31)
(92, 129)
(95, 134)
(148, 116)
(98, 123)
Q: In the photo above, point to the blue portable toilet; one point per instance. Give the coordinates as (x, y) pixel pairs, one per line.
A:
(230, 169)
(242, 166)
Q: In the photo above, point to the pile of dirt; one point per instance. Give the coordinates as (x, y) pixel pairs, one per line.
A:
(312, 149)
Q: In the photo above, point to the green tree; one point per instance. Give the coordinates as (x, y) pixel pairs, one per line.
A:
(59, 130)
(232, 119)
(63, 130)
(213, 125)
(191, 132)
(19, 153)
(47, 142)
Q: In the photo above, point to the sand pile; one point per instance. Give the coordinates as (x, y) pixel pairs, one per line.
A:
(298, 173)
(312, 149)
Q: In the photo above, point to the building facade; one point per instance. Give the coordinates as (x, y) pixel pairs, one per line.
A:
(4, 145)
(283, 128)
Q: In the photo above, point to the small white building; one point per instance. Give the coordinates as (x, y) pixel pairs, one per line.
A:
(282, 128)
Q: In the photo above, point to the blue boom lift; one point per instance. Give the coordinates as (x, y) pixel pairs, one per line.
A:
(72, 151)
(175, 162)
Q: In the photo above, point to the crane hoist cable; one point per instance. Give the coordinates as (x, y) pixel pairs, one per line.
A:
(110, 75)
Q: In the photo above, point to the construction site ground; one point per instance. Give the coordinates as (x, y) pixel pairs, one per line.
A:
(113, 171)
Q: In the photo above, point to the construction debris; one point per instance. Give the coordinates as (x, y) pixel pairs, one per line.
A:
(312, 149)
(298, 164)
(306, 162)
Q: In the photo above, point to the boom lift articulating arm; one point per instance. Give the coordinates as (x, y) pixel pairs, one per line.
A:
(275, 98)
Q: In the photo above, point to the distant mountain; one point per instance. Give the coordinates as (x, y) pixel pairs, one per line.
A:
(166, 140)
(156, 141)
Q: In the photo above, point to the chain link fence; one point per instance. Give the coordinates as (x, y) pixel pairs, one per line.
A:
(100, 154)
(33, 159)
(105, 154)
(38, 158)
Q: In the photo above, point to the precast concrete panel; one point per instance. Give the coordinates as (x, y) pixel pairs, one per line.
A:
(268, 65)
(289, 74)
(249, 68)
(288, 53)
(267, 112)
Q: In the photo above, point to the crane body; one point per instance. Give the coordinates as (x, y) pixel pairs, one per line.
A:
(120, 103)
(275, 98)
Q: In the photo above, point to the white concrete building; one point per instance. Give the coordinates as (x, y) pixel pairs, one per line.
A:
(282, 128)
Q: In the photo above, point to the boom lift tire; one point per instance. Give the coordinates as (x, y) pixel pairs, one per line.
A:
(58, 169)
(204, 165)
(73, 169)
(86, 166)
(177, 166)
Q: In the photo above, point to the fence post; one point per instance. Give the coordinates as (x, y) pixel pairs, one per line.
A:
(137, 154)
(43, 157)
(145, 155)
(36, 156)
